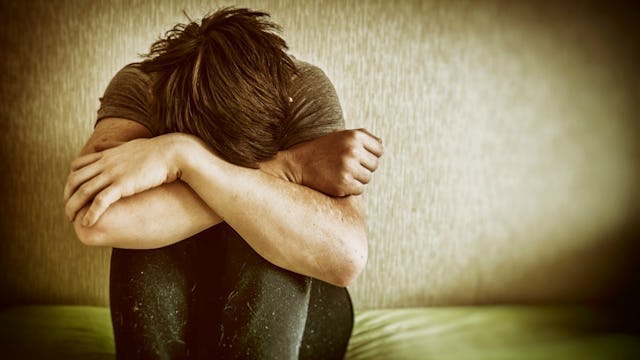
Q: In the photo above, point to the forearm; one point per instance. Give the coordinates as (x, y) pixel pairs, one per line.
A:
(157, 217)
(160, 216)
(292, 226)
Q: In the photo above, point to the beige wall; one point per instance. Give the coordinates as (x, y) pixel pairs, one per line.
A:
(511, 166)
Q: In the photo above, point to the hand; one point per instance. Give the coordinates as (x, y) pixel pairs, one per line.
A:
(102, 178)
(337, 164)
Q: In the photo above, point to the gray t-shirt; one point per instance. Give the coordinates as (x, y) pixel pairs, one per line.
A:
(315, 110)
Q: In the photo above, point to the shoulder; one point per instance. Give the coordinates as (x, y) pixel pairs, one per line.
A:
(315, 108)
(129, 96)
(310, 76)
(306, 69)
(131, 75)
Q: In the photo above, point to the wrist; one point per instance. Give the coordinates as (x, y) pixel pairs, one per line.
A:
(187, 153)
(295, 163)
(282, 166)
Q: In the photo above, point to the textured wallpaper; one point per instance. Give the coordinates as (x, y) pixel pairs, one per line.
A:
(511, 168)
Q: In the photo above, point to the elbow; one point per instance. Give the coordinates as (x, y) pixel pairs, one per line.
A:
(90, 236)
(348, 274)
(352, 262)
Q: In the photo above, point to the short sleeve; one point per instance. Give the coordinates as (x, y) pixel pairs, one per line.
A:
(128, 96)
(315, 108)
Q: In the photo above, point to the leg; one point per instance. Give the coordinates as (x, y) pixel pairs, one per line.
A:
(155, 294)
(144, 327)
(272, 313)
(211, 296)
(265, 310)
(329, 323)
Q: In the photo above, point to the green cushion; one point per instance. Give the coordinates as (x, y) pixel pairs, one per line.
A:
(56, 332)
(499, 332)
(491, 332)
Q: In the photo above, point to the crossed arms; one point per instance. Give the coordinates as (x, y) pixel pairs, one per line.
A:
(300, 211)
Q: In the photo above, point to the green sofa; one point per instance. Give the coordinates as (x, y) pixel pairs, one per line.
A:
(490, 332)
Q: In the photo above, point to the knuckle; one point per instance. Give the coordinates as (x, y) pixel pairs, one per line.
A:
(344, 164)
(345, 178)
(73, 178)
(353, 165)
(90, 215)
(353, 134)
(97, 203)
(344, 150)
(353, 151)
(99, 200)
(84, 191)
(349, 141)
(74, 164)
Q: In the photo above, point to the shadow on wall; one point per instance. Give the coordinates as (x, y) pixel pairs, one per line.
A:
(520, 165)
(611, 274)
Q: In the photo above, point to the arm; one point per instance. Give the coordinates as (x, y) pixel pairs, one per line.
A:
(291, 226)
(160, 216)
(172, 212)
(328, 233)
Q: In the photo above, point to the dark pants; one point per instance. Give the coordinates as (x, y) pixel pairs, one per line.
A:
(211, 296)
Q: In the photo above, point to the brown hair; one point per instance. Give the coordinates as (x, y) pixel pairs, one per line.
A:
(225, 80)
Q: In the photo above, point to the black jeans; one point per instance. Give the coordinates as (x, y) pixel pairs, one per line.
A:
(213, 297)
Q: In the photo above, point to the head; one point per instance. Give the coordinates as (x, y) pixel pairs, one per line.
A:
(225, 80)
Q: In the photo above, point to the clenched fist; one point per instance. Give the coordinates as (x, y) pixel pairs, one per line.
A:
(337, 164)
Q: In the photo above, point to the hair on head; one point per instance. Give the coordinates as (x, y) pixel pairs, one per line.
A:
(225, 80)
